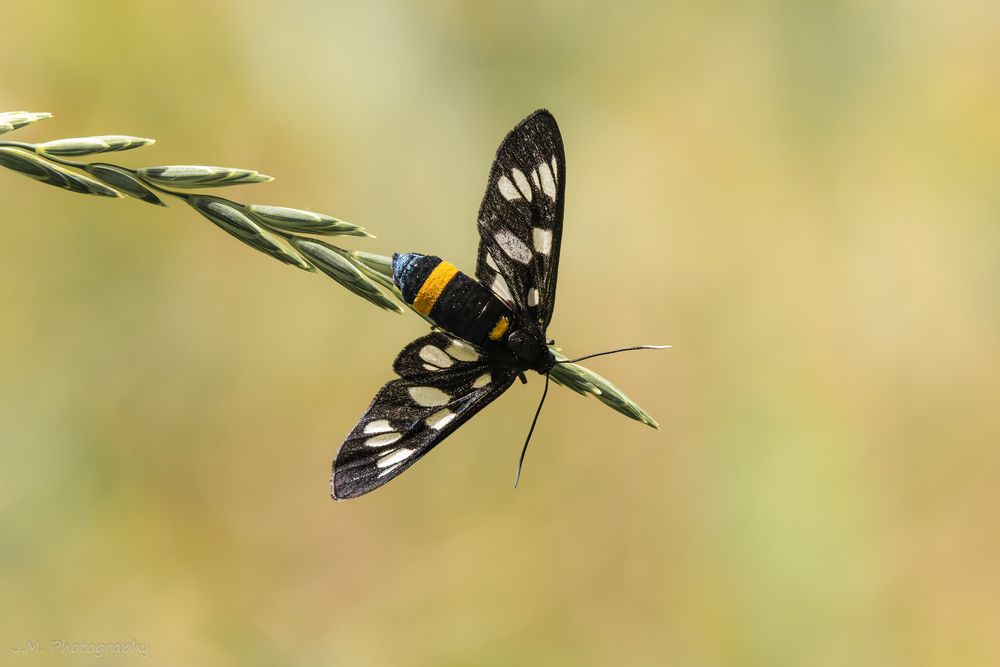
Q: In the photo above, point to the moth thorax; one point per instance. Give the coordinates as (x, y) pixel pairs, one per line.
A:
(529, 348)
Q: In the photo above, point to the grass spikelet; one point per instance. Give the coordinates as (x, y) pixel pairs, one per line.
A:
(123, 181)
(92, 145)
(379, 264)
(231, 217)
(11, 120)
(334, 262)
(49, 173)
(196, 176)
(585, 381)
(305, 222)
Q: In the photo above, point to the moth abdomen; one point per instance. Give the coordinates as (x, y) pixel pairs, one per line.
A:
(454, 301)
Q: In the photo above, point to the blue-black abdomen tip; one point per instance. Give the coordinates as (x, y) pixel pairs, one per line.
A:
(400, 263)
(410, 270)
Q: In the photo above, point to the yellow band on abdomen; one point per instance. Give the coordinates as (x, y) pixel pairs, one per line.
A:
(433, 286)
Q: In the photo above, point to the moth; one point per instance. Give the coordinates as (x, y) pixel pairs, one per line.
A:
(489, 329)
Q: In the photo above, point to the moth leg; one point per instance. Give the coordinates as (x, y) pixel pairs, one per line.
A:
(523, 379)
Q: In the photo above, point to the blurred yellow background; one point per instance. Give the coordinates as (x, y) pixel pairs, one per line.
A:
(800, 197)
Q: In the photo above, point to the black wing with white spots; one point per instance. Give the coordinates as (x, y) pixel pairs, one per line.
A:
(443, 381)
(520, 219)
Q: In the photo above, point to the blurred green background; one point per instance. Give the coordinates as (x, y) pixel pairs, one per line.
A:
(800, 197)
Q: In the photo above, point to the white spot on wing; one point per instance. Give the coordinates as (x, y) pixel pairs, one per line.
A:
(393, 457)
(522, 183)
(378, 426)
(534, 178)
(440, 419)
(533, 297)
(513, 246)
(387, 470)
(542, 239)
(462, 351)
(428, 397)
(555, 169)
(548, 181)
(500, 288)
(507, 189)
(382, 439)
(482, 381)
(492, 263)
(435, 356)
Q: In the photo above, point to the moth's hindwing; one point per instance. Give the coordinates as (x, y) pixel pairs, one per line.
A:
(443, 381)
(520, 219)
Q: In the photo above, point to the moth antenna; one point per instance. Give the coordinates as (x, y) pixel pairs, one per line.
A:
(621, 349)
(524, 450)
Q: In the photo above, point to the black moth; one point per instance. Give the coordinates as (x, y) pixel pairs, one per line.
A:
(489, 330)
